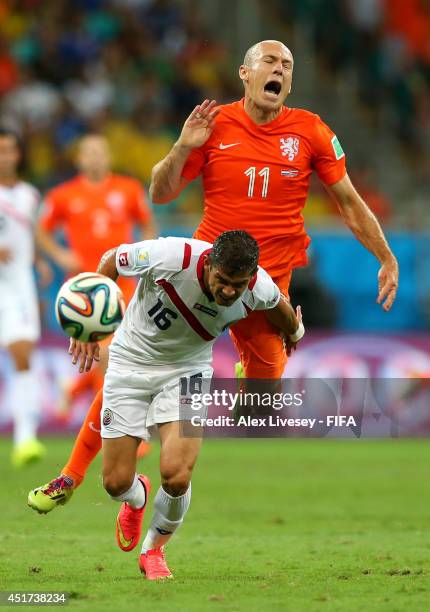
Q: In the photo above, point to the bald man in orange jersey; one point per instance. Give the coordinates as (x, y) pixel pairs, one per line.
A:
(256, 157)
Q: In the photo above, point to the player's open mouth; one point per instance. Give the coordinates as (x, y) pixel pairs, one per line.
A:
(273, 89)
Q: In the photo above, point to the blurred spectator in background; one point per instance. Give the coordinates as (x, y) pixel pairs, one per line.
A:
(366, 184)
(312, 295)
(8, 69)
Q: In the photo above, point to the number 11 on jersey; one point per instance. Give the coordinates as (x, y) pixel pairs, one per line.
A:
(265, 173)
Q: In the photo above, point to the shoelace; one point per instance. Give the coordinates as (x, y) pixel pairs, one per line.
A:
(157, 560)
(59, 483)
(131, 517)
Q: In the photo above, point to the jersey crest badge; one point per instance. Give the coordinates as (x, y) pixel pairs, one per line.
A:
(107, 417)
(289, 147)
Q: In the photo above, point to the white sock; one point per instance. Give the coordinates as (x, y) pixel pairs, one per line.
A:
(25, 403)
(168, 515)
(135, 496)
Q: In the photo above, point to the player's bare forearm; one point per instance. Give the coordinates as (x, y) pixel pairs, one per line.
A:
(289, 323)
(166, 179)
(107, 265)
(360, 219)
(283, 317)
(363, 223)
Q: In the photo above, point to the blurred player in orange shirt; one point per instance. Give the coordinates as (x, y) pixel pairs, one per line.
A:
(256, 157)
(96, 210)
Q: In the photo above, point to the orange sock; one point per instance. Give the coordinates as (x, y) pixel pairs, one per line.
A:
(87, 445)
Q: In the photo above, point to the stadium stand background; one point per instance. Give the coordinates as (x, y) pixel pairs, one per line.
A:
(134, 69)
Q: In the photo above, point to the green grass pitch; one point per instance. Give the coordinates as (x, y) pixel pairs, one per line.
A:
(273, 525)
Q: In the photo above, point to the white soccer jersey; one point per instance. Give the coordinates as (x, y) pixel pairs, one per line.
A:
(171, 318)
(19, 312)
(18, 210)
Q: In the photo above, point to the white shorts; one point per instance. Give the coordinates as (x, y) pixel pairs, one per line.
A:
(19, 313)
(135, 400)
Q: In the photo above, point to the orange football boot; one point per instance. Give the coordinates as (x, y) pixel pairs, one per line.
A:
(153, 564)
(129, 520)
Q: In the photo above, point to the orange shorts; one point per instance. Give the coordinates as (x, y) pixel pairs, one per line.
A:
(260, 347)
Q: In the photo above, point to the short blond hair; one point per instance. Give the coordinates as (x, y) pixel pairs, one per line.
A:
(252, 52)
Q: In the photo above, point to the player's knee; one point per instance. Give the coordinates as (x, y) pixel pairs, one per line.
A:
(116, 483)
(175, 479)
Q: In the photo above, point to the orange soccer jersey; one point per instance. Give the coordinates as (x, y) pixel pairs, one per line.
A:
(97, 217)
(256, 178)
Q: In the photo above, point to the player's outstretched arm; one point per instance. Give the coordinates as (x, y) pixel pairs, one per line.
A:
(289, 322)
(363, 223)
(166, 180)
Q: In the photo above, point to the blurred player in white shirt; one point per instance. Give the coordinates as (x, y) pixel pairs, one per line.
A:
(189, 292)
(19, 310)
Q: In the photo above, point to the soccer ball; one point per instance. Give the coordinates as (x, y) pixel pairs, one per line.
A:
(89, 307)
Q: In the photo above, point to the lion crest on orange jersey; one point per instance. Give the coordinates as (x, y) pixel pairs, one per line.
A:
(289, 147)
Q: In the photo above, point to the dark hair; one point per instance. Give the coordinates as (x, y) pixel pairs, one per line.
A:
(235, 252)
(6, 132)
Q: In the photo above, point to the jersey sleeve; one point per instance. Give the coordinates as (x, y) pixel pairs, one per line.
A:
(193, 165)
(52, 214)
(264, 294)
(328, 157)
(161, 257)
